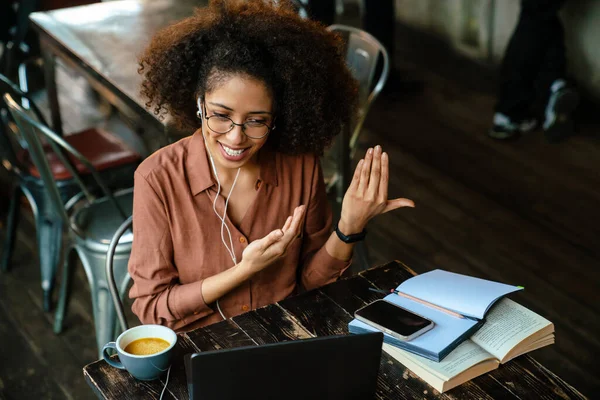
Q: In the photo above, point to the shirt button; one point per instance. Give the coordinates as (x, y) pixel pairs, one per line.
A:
(245, 307)
(242, 239)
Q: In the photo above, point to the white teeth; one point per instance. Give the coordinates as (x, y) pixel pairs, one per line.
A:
(232, 152)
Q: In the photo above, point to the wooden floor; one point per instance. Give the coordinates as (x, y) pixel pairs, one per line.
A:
(522, 212)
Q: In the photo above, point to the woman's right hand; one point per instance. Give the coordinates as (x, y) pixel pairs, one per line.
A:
(263, 252)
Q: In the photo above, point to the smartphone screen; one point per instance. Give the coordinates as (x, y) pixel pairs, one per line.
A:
(394, 318)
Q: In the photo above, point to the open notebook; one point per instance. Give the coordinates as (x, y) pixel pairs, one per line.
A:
(509, 331)
(468, 296)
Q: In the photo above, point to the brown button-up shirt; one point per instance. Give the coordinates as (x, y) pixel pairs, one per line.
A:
(177, 240)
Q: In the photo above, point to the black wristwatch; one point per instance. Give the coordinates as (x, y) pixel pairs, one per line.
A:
(356, 237)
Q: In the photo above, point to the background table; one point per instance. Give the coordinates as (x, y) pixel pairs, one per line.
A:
(322, 312)
(102, 41)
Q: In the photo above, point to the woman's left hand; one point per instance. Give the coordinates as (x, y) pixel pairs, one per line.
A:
(367, 195)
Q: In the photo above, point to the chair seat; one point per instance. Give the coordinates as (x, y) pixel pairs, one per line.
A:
(103, 149)
(99, 220)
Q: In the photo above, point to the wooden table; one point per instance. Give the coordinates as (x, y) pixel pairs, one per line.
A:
(102, 41)
(322, 312)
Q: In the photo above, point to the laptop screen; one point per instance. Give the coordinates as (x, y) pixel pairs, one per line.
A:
(330, 367)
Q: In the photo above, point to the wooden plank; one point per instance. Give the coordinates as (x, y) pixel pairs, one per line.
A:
(113, 383)
(388, 276)
(534, 380)
(36, 328)
(222, 335)
(317, 313)
(270, 324)
(23, 372)
(351, 294)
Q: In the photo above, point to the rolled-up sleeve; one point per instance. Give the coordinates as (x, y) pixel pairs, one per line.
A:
(318, 267)
(159, 297)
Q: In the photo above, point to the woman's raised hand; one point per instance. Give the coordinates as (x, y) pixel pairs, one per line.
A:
(263, 252)
(367, 195)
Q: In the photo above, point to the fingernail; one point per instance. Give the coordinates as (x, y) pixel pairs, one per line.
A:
(361, 161)
(384, 155)
(370, 151)
(378, 149)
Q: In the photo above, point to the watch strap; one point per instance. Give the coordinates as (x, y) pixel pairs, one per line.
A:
(352, 238)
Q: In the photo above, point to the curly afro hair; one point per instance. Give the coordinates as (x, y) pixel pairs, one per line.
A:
(300, 61)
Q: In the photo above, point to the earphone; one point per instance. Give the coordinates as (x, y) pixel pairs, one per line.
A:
(230, 250)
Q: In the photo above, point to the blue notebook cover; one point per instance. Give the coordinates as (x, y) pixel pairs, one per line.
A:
(468, 296)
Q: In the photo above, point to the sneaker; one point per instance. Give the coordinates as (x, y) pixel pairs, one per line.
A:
(505, 128)
(563, 100)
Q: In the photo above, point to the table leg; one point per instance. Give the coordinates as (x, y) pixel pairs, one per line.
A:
(50, 77)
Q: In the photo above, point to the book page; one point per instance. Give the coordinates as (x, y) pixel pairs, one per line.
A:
(507, 324)
(464, 294)
(466, 355)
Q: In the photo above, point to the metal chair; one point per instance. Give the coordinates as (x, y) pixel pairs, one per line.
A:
(91, 225)
(48, 227)
(363, 53)
(116, 271)
(115, 161)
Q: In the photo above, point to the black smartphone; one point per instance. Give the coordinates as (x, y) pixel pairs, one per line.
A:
(393, 320)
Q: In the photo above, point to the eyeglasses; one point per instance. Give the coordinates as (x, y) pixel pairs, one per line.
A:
(222, 124)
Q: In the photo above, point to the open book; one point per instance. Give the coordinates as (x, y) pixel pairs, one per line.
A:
(509, 331)
(467, 298)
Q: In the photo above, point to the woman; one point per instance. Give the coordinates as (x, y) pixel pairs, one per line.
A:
(235, 216)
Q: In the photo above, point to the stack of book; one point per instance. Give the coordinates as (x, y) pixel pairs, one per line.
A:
(476, 328)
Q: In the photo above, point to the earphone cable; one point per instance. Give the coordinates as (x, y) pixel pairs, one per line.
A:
(230, 250)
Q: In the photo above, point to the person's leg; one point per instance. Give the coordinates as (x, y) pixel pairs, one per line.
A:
(559, 98)
(524, 56)
(521, 66)
(554, 62)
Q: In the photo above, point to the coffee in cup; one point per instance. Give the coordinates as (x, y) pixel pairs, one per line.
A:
(146, 346)
(145, 351)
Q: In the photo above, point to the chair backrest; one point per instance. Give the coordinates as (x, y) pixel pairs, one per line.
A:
(35, 134)
(11, 141)
(300, 6)
(115, 292)
(363, 53)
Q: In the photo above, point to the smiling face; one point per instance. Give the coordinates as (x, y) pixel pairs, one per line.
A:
(243, 99)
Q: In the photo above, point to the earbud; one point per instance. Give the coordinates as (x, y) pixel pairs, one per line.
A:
(199, 112)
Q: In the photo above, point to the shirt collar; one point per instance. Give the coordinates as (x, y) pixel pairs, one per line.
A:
(198, 167)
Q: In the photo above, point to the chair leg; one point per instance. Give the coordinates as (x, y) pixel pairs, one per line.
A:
(105, 317)
(49, 247)
(65, 289)
(11, 228)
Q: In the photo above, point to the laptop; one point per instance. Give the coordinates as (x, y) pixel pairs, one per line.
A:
(330, 367)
